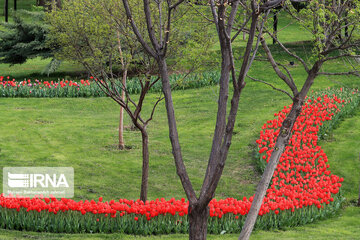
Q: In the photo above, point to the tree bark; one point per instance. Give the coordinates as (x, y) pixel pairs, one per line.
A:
(145, 166)
(198, 217)
(173, 133)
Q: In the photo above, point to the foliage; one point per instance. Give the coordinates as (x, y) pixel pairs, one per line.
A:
(24, 39)
(320, 17)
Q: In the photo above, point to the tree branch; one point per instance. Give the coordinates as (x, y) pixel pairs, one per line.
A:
(273, 87)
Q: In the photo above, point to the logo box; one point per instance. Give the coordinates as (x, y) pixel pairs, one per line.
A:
(31, 181)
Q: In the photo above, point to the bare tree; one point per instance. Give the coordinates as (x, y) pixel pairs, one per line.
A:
(98, 44)
(224, 14)
(327, 47)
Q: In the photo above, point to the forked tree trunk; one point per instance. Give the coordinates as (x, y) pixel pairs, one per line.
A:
(145, 165)
(198, 217)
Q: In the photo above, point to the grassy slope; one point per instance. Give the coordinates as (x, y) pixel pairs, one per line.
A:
(81, 133)
(21, 4)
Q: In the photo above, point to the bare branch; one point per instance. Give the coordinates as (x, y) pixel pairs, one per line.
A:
(356, 73)
(136, 30)
(281, 75)
(289, 52)
(240, 29)
(269, 84)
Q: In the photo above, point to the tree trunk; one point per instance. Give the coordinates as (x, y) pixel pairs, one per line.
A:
(15, 5)
(145, 166)
(40, 3)
(198, 217)
(6, 10)
(263, 185)
(359, 190)
(275, 25)
(281, 142)
(121, 121)
(173, 133)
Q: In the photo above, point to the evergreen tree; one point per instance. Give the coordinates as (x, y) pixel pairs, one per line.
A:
(24, 39)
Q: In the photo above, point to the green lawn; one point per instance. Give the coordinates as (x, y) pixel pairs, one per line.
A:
(21, 4)
(82, 133)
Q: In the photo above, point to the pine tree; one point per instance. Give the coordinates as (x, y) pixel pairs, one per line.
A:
(24, 39)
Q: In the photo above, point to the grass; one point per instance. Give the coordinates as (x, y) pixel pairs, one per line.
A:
(21, 4)
(82, 133)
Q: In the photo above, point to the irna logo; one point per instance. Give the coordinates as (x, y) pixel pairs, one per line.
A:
(36, 180)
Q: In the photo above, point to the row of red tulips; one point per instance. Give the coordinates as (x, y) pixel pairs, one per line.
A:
(10, 87)
(302, 189)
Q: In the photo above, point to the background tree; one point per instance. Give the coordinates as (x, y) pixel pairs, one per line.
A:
(89, 35)
(23, 39)
(96, 34)
(324, 19)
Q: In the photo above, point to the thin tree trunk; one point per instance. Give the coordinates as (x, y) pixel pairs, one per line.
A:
(6, 10)
(359, 190)
(281, 142)
(275, 26)
(121, 120)
(124, 68)
(145, 166)
(198, 217)
(173, 133)
(15, 5)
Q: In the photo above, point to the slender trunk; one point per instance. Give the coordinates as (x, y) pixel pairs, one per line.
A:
(15, 5)
(145, 166)
(275, 26)
(173, 133)
(279, 148)
(281, 142)
(359, 190)
(121, 121)
(198, 217)
(6, 10)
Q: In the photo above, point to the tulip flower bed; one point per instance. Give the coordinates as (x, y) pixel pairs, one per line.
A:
(302, 189)
(89, 88)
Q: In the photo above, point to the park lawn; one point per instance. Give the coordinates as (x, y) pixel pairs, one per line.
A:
(21, 4)
(33, 69)
(82, 133)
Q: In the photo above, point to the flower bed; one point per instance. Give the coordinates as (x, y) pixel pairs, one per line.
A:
(302, 190)
(9, 87)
